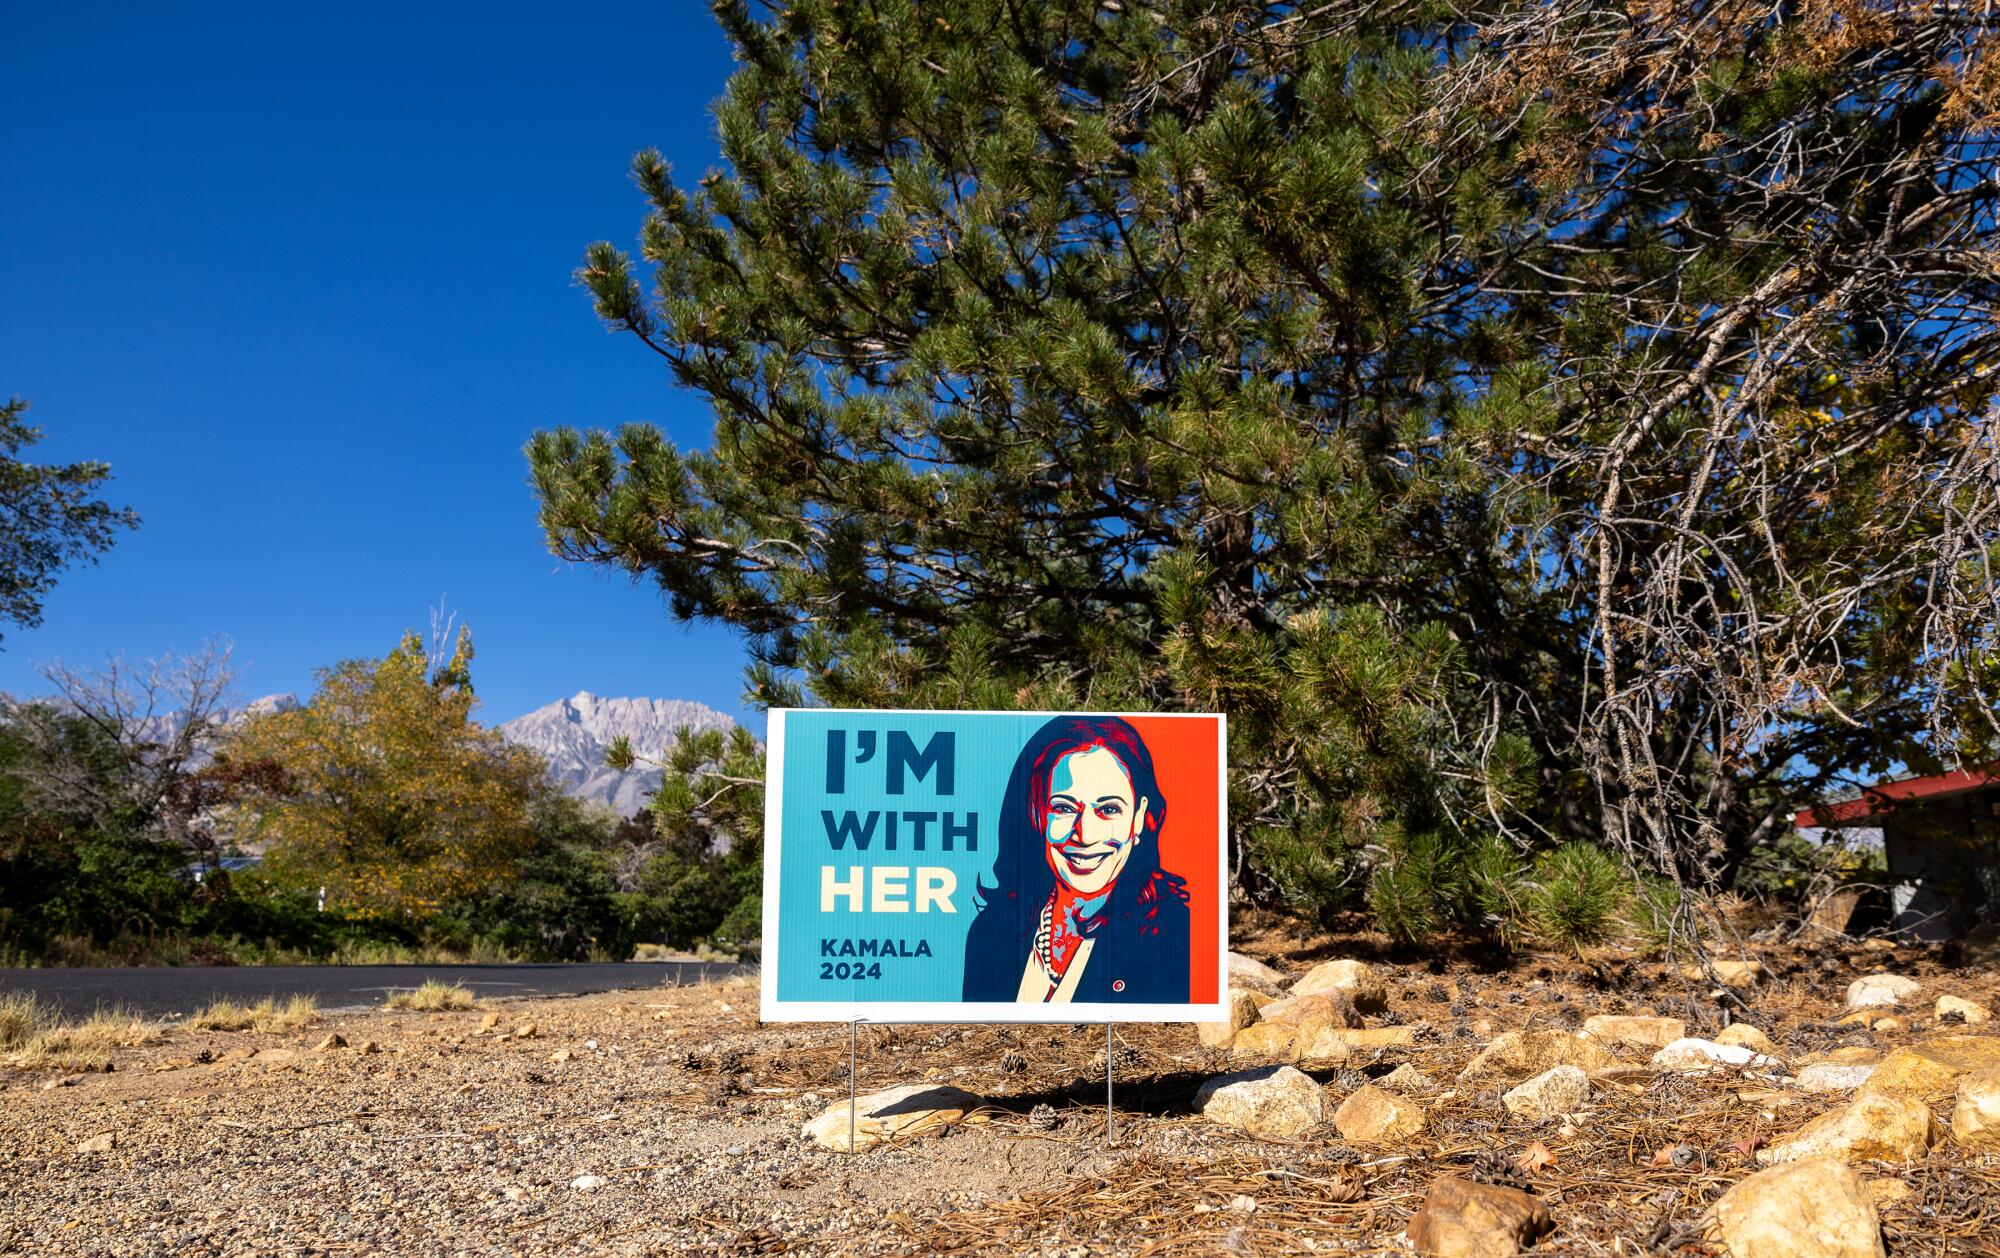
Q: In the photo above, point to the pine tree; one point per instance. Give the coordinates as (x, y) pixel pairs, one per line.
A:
(1532, 421)
(48, 519)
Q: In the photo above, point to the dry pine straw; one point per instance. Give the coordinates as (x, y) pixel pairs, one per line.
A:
(1605, 1189)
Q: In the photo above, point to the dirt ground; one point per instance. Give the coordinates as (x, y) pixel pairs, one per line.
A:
(448, 1140)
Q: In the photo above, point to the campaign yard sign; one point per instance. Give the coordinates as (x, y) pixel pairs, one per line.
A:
(994, 867)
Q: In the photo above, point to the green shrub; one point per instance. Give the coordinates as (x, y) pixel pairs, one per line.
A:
(1578, 892)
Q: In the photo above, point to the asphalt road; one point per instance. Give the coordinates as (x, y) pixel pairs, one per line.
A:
(160, 991)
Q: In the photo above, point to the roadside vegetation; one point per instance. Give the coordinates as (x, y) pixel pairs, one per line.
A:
(433, 996)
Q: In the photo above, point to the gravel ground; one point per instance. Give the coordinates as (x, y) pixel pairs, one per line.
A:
(452, 1139)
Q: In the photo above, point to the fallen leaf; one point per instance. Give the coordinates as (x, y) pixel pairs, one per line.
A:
(1535, 1157)
(1746, 1146)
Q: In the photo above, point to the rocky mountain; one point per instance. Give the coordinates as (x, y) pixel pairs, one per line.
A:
(574, 732)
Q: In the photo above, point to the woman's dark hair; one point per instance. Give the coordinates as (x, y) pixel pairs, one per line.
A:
(1010, 900)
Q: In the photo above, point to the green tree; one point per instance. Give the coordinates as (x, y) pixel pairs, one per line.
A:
(1534, 421)
(48, 518)
(393, 797)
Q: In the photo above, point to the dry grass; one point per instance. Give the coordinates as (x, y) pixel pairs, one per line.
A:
(29, 1027)
(433, 997)
(23, 1016)
(267, 1015)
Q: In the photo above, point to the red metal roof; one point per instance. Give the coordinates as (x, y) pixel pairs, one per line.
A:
(1884, 796)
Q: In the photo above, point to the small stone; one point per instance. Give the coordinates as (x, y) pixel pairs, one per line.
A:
(1886, 1128)
(561, 1055)
(330, 1043)
(1966, 1011)
(1252, 973)
(275, 1056)
(1830, 1076)
(1933, 1068)
(591, 1045)
(1557, 1091)
(1635, 1030)
(1888, 1026)
(1694, 1056)
(526, 1031)
(1520, 1054)
(1738, 974)
(104, 1142)
(1463, 1219)
(1743, 1035)
(1884, 1191)
(1242, 1006)
(1362, 985)
(914, 1109)
(1272, 1101)
(61, 1081)
(1407, 1078)
(1374, 1116)
(369, 1046)
(1875, 990)
(585, 1183)
(1814, 1208)
(1975, 1120)
(490, 1021)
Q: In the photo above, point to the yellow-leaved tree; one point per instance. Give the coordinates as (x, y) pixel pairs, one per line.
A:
(393, 798)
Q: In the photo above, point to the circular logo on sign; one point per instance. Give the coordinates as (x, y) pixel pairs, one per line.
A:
(1117, 984)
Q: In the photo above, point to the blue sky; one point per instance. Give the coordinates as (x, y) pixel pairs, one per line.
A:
(303, 278)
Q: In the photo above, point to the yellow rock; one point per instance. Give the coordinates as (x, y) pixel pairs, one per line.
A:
(1975, 1120)
(1266, 1041)
(1743, 1035)
(1816, 1208)
(1873, 1125)
(1362, 985)
(1299, 1010)
(1972, 1014)
(1518, 1054)
(1242, 1006)
(1933, 1067)
(1639, 1032)
(1324, 1041)
(1373, 1116)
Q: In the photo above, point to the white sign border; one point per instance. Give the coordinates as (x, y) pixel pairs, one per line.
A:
(772, 1009)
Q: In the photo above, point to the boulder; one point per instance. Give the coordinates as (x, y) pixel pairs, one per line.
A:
(1813, 1208)
(1242, 1006)
(1872, 991)
(1887, 1128)
(1252, 973)
(1933, 1068)
(1373, 1116)
(1975, 1120)
(1695, 1056)
(1828, 1076)
(1271, 1102)
(915, 1109)
(1743, 1035)
(1634, 1030)
(1463, 1219)
(1968, 1012)
(1362, 985)
(1556, 1091)
(1264, 1041)
(1519, 1054)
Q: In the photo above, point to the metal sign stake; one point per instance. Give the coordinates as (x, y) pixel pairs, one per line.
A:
(853, 1037)
(1107, 1083)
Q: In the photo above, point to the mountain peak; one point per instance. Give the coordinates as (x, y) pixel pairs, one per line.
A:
(573, 733)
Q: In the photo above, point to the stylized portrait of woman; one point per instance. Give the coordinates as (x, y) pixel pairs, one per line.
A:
(1079, 908)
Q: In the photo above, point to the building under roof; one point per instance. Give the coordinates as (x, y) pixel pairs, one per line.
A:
(1940, 840)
